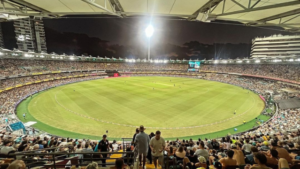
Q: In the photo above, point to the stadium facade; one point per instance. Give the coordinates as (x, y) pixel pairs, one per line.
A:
(30, 35)
(276, 46)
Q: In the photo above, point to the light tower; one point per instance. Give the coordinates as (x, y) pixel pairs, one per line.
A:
(149, 32)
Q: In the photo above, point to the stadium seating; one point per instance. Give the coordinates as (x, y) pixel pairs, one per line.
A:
(281, 131)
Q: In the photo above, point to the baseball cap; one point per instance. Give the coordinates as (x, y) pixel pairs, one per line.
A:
(202, 159)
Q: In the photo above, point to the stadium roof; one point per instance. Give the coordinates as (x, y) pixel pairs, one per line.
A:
(283, 13)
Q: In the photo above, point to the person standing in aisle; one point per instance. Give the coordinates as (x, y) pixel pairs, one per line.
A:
(157, 145)
(142, 144)
(103, 146)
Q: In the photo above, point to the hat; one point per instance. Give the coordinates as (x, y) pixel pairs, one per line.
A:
(265, 143)
(202, 159)
(142, 127)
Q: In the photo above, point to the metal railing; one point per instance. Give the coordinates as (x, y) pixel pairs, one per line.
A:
(126, 142)
(66, 159)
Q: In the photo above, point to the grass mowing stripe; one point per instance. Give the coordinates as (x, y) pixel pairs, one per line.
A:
(196, 102)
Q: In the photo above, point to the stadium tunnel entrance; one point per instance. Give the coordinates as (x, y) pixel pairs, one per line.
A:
(112, 73)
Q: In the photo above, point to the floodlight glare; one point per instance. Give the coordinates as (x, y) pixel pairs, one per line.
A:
(149, 31)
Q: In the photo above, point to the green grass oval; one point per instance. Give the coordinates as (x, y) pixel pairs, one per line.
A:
(178, 107)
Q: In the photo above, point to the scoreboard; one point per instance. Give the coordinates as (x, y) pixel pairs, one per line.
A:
(194, 66)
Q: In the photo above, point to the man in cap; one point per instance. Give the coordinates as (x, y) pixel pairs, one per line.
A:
(142, 144)
(157, 145)
(103, 146)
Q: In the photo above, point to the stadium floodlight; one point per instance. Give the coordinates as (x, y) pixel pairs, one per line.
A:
(149, 31)
(28, 55)
(277, 60)
(291, 60)
(257, 61)
(1, 53)
(239, 61)
(216, 61)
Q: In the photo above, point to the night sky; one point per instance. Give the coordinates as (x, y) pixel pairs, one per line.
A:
(131, 30)
(125, 37)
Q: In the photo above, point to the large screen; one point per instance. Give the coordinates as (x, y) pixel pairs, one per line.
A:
(194, 66)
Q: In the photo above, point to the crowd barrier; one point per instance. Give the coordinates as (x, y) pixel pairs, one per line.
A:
(64, 159)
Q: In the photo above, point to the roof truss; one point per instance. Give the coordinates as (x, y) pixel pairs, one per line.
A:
(208, 7)
(183, 9)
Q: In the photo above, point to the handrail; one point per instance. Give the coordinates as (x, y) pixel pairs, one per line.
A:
(66, 153)
(59, 159)
(44, 149)
(124, 148)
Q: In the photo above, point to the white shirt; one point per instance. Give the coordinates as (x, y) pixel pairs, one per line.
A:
(247, 147)
(115, 146)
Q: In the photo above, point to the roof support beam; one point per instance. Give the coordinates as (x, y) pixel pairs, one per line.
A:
(279, 16)
(224, 2)
(9, 9)
(255, 4)
(291, 19)
(242, 6)
(263, 8)
(205, 8)
(101, 7)
(118, 7)
(31, 6)
(21, 9)
(249, 4)
(125, 13)
(212, 9)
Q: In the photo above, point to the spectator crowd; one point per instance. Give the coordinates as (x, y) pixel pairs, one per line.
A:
(274, 144)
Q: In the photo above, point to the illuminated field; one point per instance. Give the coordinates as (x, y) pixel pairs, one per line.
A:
(192, 107)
